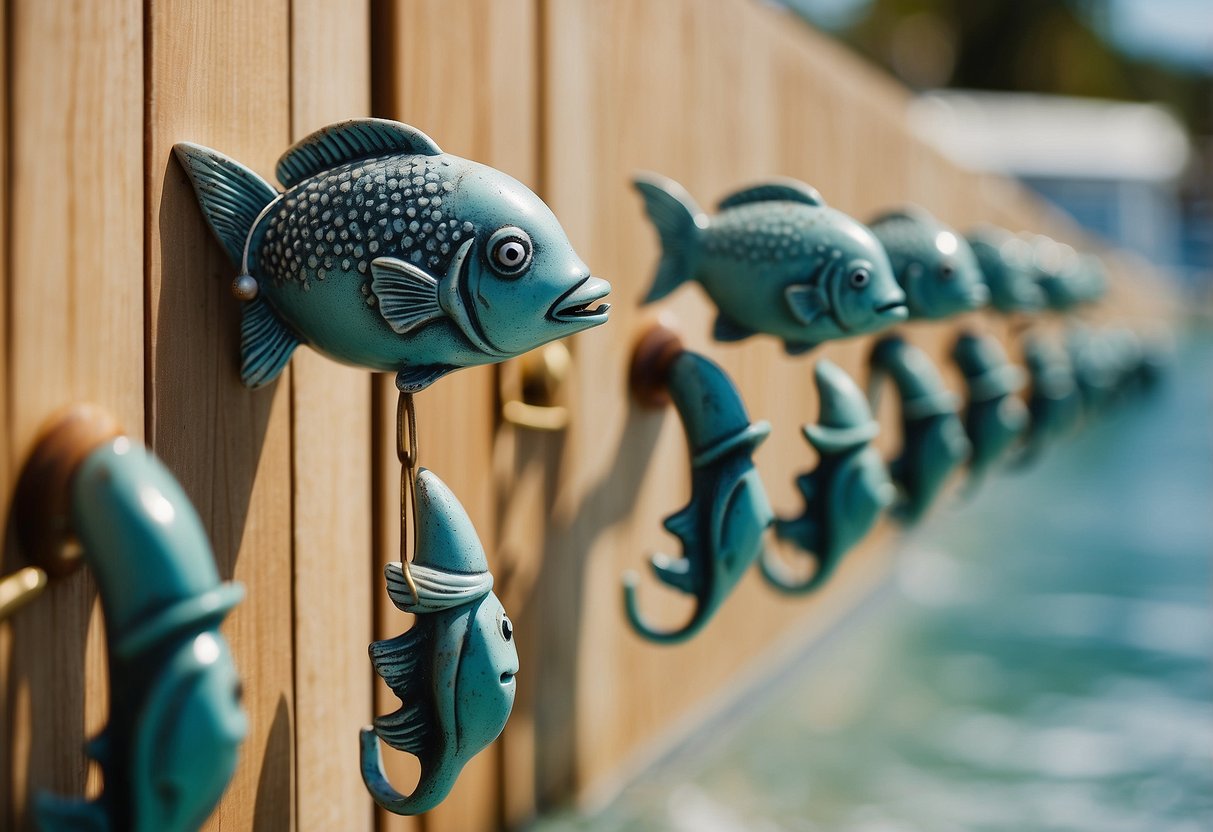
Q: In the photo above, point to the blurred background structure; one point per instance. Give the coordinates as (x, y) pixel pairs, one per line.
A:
(1104, 107)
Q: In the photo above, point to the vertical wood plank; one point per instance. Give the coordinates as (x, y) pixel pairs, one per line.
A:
(331, 414)
(75, 315)
(218, 74)
(463, 71)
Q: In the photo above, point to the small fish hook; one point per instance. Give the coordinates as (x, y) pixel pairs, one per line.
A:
(406, 452)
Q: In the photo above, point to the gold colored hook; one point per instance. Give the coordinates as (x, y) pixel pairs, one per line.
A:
(19, 588)
(535, 389)
(406, 452)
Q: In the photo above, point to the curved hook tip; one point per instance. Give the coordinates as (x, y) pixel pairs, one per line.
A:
(631, 580)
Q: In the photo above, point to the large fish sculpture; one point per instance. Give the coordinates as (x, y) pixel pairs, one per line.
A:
(175, 720)
(386, 253)
(774, 259)
(847, 491)
(933, 439)
(454, 670)
(722, 527)
(995, 417)
(1053, 404)
(934, 265)
(1006, 264)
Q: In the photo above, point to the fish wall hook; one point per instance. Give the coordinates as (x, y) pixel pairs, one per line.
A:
(847, 491)
(454, 670)
(995, 418)
(386, 253)
(722, 527)
(932, 263)
(175, 722)
(1006, 265)
(933, 439)
(1053, 404)
(774, 259)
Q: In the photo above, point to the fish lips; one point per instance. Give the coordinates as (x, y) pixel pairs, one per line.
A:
(893, 311)
(577, 305)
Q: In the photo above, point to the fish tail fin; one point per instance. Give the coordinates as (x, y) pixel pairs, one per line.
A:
(679, 222)
(231, 196)
(266, 344)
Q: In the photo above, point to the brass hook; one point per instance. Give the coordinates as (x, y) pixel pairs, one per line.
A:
(531, 394)
(406, 452)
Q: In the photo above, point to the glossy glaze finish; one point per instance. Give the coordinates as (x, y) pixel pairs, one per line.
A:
(932, 263)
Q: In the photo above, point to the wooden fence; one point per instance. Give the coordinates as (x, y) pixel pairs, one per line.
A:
(114, 292)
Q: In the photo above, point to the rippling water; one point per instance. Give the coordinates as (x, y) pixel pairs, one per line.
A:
(1042, 663)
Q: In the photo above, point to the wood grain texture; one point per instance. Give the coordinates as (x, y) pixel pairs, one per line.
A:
(333, 506)
(75, 332)
(218, 74)
(464, 72)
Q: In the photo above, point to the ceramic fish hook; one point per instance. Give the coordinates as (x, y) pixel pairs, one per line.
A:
(995, 418)
(454, 670)
(722, 527)
(386, 253)
(774, 259)
(934, 265)
(1053, 406)
(175, 721)
(845, 494)
(933, 438)
(1006, 264)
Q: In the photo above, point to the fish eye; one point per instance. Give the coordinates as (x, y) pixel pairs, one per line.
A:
(507, 628)
(946, 271)
(510, 251)
(860, 278)
(238, 691)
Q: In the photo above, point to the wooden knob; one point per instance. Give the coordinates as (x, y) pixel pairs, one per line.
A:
(651, 360)
(42, 503)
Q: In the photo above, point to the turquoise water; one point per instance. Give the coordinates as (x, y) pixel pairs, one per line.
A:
(1040, 663)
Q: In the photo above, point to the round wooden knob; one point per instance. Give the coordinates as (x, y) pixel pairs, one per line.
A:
(42, 503)
(651, 360)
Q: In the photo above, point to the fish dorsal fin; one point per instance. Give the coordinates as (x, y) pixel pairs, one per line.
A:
(407, 295)
(682, 524)
(349, 141)
(779, 190)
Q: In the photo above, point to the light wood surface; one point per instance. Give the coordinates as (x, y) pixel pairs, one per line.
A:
(115, 292)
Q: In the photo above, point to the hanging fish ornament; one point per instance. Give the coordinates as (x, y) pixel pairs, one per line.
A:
(774, 259)
(933, 439)
(1053, 405)
(847, 491)
(1006, 265)
(454, 670)
(175, 721)
(995, 418)
(386, 253)
(722, 528)
(934, 265)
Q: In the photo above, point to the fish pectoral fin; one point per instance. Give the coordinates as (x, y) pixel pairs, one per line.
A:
(407, 296)
(727, 329)
(350, 141)
(395, 660)
(417, 378)
(266, 344)
(407, 729)
(682, 525)
(674, 572)
(806, 303)
(798, 347)
(779, 190)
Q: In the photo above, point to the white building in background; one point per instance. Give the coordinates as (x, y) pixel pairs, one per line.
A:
(1115, 166)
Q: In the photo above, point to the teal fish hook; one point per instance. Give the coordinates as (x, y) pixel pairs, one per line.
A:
(933, 439)
(722, 527)
(454, 670)
(774, 259)
(934, 264)
(1006, 264)
(1053, 404)
(386, 253)
(847, 491)
(995, 418)
(175, 721)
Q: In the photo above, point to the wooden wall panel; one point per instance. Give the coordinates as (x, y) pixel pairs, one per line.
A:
(75, 332)
(333, 508)
(464, 72)
(218, 74)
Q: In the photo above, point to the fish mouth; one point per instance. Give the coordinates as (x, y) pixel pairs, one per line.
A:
(895, 310)
(577, 305)
(507, 677)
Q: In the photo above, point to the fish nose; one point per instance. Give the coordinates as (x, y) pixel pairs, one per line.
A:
(979, 295)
